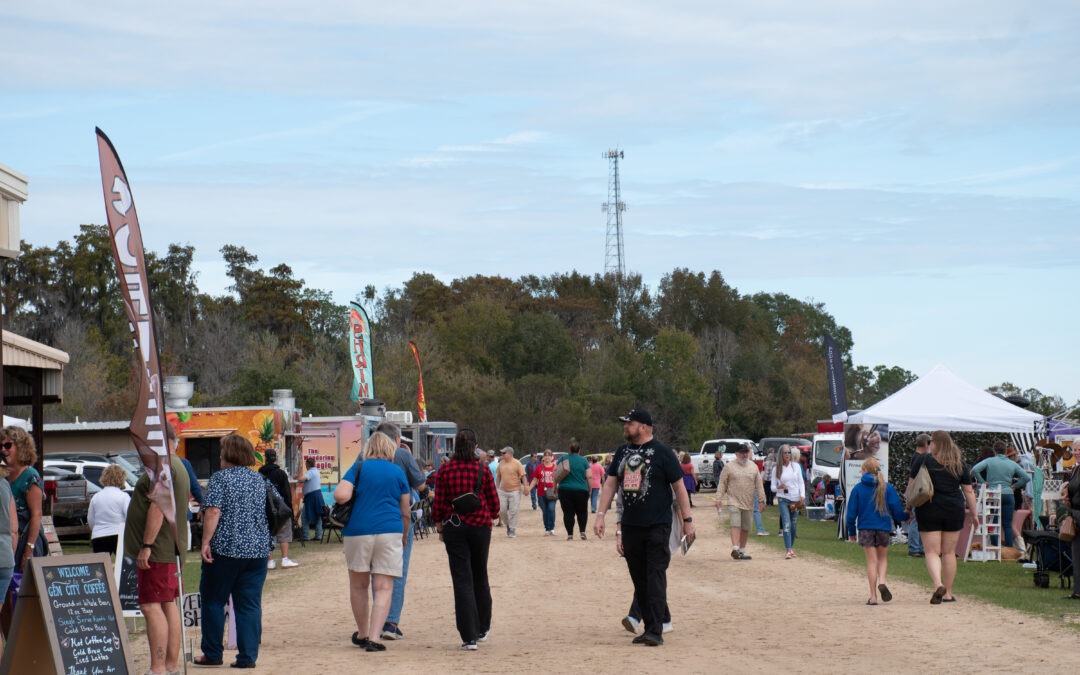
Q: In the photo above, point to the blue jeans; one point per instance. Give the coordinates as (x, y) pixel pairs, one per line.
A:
(547, 508)
(532, 494)
(594, 497)
(1008, 508)
(914, 541)
(397, 600)
(757, 515)
(789, 521)
(311, 514)
(243, 579)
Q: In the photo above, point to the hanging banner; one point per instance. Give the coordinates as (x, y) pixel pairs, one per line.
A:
(837, 386)
(148, 420)
(421, 404)
(360, 348)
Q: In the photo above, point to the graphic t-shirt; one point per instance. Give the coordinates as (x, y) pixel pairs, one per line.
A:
(645, 474)
(545, 477)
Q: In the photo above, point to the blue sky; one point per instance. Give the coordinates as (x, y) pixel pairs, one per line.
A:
(914, 166)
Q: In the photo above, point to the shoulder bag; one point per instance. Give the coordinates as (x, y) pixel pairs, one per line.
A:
(1067, 529)
(920, 489)
(467, 502)
(278, 511)
(562, 470)
(340, 513)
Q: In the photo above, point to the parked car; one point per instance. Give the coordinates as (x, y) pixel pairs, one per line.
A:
(772, 444)
(90, 470)
(67, 499)
(704, 458)
(129, 459)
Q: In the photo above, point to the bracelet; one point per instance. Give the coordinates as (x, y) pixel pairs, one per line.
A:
(601, 513)
(618, 533)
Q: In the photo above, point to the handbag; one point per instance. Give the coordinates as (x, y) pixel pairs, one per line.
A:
(551, 493)
(920, 489)
(278, 512)
(562, 470)
(1067, 529)
(340, 513)
(467, 502)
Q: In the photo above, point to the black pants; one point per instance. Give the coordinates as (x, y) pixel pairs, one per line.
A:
(635, 612)
(104, 544)
(647, 557)
(467, 549)
(574, 503)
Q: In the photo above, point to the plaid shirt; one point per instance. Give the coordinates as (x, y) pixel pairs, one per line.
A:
(456, 477)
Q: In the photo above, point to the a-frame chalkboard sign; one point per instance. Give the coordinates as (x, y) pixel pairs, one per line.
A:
(67, 619)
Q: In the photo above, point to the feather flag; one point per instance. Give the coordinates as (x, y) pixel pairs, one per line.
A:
(421, 404)
(148, 420)
(360, 348)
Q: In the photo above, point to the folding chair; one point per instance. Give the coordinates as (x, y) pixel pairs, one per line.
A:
(329, 527)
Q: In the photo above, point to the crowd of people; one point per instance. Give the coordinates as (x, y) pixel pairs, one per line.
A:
(649, 485)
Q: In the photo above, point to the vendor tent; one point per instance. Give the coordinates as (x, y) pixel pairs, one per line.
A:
(941, 400)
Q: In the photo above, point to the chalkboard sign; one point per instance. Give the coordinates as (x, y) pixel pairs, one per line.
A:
(127, 584)
(67, 617)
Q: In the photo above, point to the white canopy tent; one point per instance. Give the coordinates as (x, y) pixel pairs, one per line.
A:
(941, 400)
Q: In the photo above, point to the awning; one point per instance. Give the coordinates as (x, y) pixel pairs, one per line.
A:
(22, 355)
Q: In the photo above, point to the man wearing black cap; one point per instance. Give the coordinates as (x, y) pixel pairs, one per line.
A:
(649, 475)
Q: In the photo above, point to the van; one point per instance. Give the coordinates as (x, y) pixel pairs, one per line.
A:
(828, 456)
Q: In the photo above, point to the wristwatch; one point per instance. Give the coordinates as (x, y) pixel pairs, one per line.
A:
(688, 519)
(145, 545)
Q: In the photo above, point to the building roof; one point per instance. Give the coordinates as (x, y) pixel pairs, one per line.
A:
(88, 426)
(20, 351)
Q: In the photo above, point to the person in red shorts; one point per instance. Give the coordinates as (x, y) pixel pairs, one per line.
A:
(149, 540)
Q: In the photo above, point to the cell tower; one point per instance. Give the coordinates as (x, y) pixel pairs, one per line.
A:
(614, 258)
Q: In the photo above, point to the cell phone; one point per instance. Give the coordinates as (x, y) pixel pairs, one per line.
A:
(685, 544)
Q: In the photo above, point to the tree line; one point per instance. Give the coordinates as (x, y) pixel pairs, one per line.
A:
(528, 362)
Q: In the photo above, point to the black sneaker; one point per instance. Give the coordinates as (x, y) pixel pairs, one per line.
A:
(469, 647)
(390, 631)
(916, 554)
(651, 640)
(640, 639)
(375, 647)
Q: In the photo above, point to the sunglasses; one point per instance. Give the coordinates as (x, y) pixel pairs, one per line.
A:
(7, 445)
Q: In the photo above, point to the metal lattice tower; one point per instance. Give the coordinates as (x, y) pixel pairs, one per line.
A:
(614, 257)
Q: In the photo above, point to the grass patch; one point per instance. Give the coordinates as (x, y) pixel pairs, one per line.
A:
(1005, 584)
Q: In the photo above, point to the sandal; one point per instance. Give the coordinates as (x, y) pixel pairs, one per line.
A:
(361, 642)
(872, 604)
(939, 593)
(375, 647)
(948, 599)
(883, 590)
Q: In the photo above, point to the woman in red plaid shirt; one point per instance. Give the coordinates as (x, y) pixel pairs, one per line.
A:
(467, 536)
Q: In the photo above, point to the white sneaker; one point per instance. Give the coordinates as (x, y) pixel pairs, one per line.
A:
(469, 647)
(287, 562)
(270, 564)
(484, 636)
(763, 533)
(630, 623)
(668, 627)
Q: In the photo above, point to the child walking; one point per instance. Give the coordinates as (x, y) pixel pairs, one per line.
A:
(873, 507)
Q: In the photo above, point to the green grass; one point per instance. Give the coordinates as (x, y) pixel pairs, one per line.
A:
(1006, 584)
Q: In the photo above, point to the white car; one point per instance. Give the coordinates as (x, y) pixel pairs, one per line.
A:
(704, 458)
(90, 470)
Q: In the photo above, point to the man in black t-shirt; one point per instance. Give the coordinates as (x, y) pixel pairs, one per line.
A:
(650, 477)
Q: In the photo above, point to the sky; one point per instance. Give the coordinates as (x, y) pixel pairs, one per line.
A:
(913, 166)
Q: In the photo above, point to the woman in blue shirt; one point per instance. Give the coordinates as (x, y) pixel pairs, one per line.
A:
(374, 536)
(236, 543)
(873, 506)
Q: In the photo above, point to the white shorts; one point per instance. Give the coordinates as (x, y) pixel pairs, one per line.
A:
(375, 553)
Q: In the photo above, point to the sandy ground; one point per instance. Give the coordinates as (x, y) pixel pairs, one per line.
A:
(557, 606)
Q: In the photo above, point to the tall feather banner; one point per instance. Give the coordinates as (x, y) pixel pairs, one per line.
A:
(148, 419)
(421, 403)
(360, 348)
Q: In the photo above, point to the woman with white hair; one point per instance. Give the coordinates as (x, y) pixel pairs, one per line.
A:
(790, 489)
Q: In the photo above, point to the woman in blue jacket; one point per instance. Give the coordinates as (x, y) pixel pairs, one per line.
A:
(873, 506)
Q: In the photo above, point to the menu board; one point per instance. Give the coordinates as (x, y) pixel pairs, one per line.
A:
(68, 609)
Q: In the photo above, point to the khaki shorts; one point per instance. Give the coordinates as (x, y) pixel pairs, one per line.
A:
(374, 553)
(740, 518)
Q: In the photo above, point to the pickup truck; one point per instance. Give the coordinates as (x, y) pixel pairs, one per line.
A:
(67, 500)
(704, 458)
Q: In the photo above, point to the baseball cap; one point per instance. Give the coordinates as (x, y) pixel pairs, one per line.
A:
(637, 415)
(507, 451)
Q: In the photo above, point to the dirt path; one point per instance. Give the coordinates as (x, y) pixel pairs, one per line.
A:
(557, 606)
